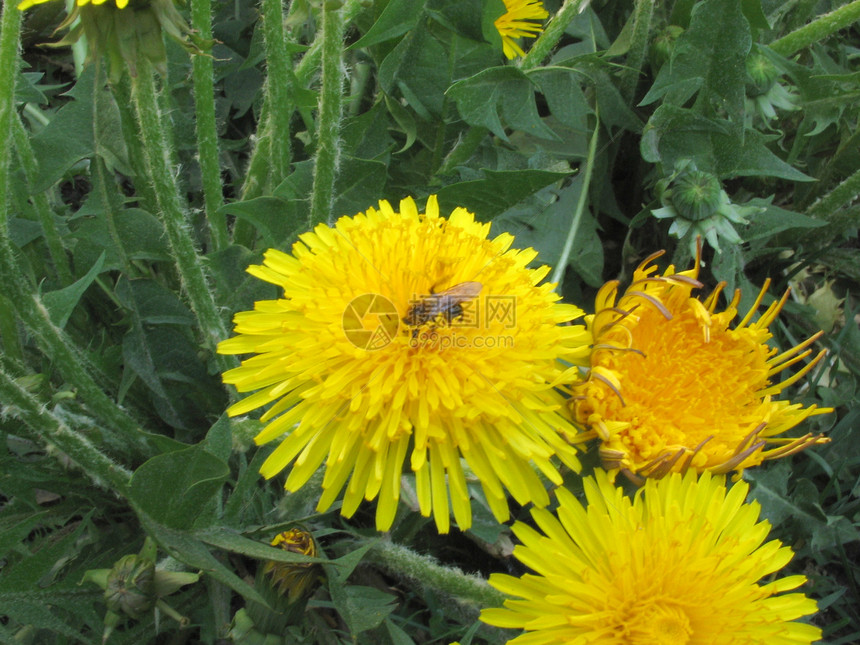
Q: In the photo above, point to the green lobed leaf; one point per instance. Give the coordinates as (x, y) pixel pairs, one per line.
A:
(708, 61)
(500, 93)
(173, 488)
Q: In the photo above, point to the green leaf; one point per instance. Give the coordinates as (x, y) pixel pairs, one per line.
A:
(397, 635)
(62, 302)
(500, 93)
(709, 60)
(561, 87)
(754, 14)
(228, 540)
(188, 549)
(173, 488)
(466, 17)
(772, 219)
(153, 302)
(398, 17)
(674, 134)
(364, 608)
(275, 219)
(142, 237)
(418, 68)
(75, 133)
(496, 192)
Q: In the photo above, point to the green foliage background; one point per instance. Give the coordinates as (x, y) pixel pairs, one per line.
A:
(112, 420)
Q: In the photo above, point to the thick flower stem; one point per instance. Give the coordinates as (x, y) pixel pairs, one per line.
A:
(50, 430)
(207, 134)
(642, 12)
(551, 34)
(558, 273)
(818, 29)
(172, 211)
(279, 90)
(330, 107)
(40, 202)
(470, 590)
(10, 32)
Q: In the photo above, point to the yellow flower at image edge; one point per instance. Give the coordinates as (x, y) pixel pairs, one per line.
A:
(365, 373)
(680, 564)
(672, 387)
(517, 22)
(26, 4)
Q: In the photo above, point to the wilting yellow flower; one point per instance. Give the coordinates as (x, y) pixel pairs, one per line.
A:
(672, 386)
(517, 23)
(295, 579)
(364, 365)
(126, 32)
(678, 565)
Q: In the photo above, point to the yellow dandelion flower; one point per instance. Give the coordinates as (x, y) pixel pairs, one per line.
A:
(293, 579)
(672, 386)
(364, 364)
(26, 4)
(517, 22)
(678, 565)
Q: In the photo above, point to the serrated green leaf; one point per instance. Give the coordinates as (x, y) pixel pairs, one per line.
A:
(500, 93)
(173, 488)
(708, 61)
(61, 303)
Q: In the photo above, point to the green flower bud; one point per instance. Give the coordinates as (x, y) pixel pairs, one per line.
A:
(663, 45)
(131, 586)
(761, 74)
(696, 195)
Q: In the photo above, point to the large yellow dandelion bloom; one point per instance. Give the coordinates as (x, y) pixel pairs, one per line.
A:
(364, 365)
(517, 22)
(679, 565)
(672, 386)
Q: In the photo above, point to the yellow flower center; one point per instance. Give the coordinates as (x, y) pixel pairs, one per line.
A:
(659, 624)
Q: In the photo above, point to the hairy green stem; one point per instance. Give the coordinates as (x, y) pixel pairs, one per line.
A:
(279, 90)
(56, 344)
(642, 13)
(207, 134)
(128, 120)
(172, 211)
(470, 590)
(309, 64)
(551, 34)
(842, 195)
(50, 430)
(818, 29)
(558, 272)
(40, 202)
(330, 109)
(10, 33)
(9, 330)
